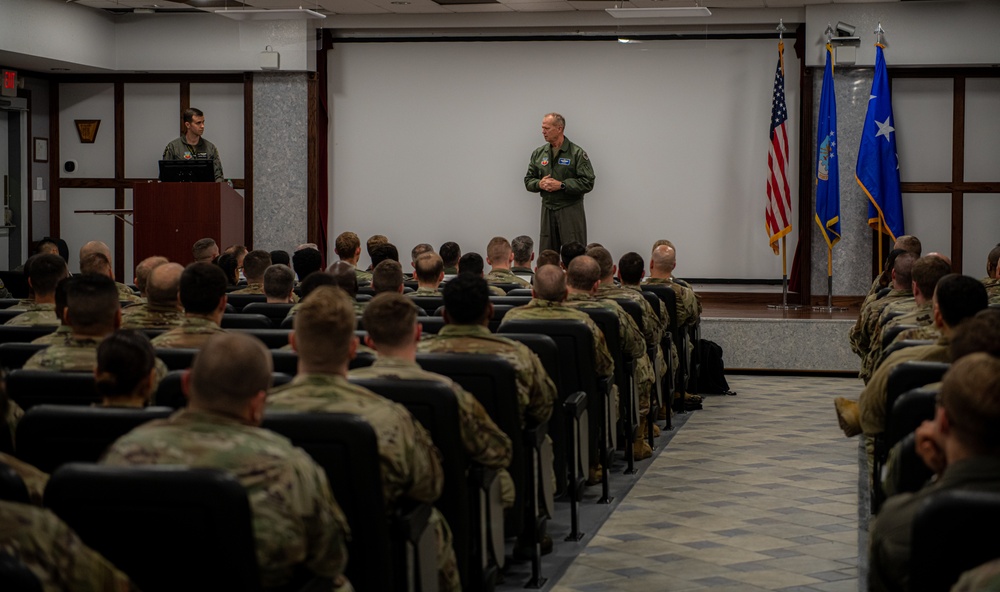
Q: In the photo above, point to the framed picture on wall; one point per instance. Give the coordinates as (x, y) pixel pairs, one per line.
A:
(41, 150)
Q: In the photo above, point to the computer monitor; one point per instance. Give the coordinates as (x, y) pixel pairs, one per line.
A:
(195, 170)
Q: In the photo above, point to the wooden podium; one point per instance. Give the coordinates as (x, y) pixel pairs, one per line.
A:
(169, 218)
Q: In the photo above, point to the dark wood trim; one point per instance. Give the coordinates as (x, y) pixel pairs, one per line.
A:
(957, 173)
(910, 72)
(185, 92)
(247, 160)
(950, 187)
(30, 181)
(98, 183)
(180, 78)
(807, 143)
(312, 169)
(119, 246)
(55, 164)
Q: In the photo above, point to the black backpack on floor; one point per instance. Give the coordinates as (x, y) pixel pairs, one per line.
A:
(711, 376)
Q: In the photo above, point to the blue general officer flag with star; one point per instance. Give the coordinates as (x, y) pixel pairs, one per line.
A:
(878, 164)
(827, 168)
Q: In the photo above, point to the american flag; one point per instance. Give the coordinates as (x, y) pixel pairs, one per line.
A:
(777, 217)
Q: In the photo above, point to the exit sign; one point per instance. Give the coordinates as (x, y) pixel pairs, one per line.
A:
(9, 83)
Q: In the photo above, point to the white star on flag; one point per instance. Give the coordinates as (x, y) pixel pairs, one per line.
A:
(884, 129)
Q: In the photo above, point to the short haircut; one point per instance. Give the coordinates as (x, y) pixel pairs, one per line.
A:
(557, 119)
(124, 359)
(664, 258)
(969, 397)
(991, 261)
(255, 263)
(145, 268)
(92, 302)
(202, 287)
(570, 250)
(94, 263)
(428, 267)
(315, 280)
(324, 326)
(547, 257)
(466, 299)
(522, 246)
(230, 266)
(450, 252)
(237, 250)
(903, 268)
(959, 297)
(280, 257)
(45, 272)
(630, 268)
(981, 333)
(344, 276)
(229, 371)
(202, 248)
(387, 276)
(603, 258)
(550, 283)
(910, 244)
(346, 245)
(471, 263)
(389, 319)
(663, 242)
(419, 250)
(190, 113)
(583, 273)
(927, 271)
(278, 281)
(498, 250)
(383, 252)
(306, 261)
(46, 246)
(164, 284)
(375, 239)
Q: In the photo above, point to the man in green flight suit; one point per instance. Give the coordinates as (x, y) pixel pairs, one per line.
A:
(561, 171)
(191, 145)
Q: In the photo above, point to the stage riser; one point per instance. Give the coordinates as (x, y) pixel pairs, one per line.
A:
(783, 344)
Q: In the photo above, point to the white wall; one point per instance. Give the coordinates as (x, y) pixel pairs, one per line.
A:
(55, 30)
(430, 143)
(917, 33)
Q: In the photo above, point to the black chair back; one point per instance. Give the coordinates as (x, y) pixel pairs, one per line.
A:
(245, 321)
(272, 338)
(492, 380)
(272, 310)
(511, 300)
(346, 447)
(14, 355)
(431, 324)
(170, 392)
(16, 283)
(898, 345)
(45, 387)
(499, 311)
(429, 304)
(177, 358)
(520, 292)
(910, 410)
(240, 301)
(952, 533)
(16, 576)
(507, 287)
(889, 335)
(911, 375)
(168, 528)
(23, 333)
(50, 436)
(12, 487)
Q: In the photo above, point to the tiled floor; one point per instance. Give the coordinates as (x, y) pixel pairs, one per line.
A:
(755, 492)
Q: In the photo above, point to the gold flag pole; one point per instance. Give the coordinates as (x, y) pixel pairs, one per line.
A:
(784, 281)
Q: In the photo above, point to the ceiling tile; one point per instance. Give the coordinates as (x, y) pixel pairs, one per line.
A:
(545, 6)
(593, 4)
(492, 7)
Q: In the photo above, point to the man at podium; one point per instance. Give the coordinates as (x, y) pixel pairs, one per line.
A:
(191, 145)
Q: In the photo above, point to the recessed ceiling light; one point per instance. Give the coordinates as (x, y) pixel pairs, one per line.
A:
(659, 12)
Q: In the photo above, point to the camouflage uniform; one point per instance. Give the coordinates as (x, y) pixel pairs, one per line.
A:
(53, 552)
(484, 441)
(496, 291)
(36, 314)
(254, 288)
(863, 330)
(11, 418)
(992, 289)
(151, 316)
(295, 518)
(359, 308)
(536, 393)
(539, 309)
(688, 304)
(193, 332)
(981, 578)
(62, 334)
(921, 315)
(23, 304)
(664, 319)
(633, 344)
(34, 480)
(505, 276)
(75, 355)
(425, 292)
(362, 275)
(653, 326)
(409, 463)
(872, 402)
(125, 294)
(920, 333)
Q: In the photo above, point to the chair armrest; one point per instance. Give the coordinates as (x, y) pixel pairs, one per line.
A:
(534, 435)
(480, 477)
(575, 404)
(411, 519)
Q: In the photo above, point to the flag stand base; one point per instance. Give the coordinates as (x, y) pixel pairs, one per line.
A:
(785, 306)
(829, 308)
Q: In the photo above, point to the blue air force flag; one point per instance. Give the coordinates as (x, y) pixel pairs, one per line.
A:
(827, 169)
